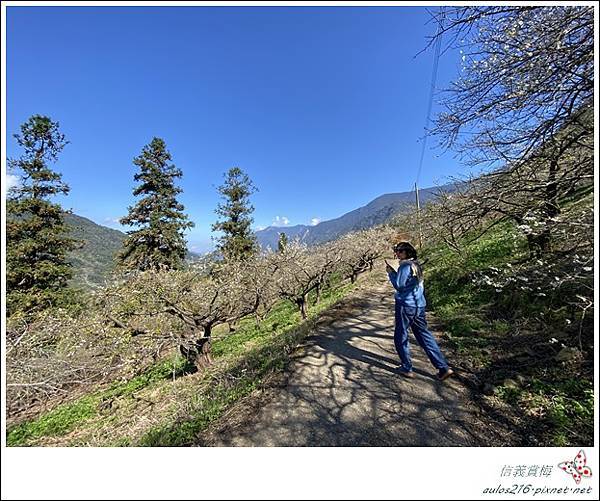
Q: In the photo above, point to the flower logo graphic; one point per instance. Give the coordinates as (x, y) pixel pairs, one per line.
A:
(577, 468)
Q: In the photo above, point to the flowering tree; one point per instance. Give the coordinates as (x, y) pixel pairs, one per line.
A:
(526, 71)
(182, 307)
(328, 259)
(523, 106)
(529, 194)
(298, 273)
(48, 356)
(143, 315)
(561, 281)
(361, 249)
(261, 272)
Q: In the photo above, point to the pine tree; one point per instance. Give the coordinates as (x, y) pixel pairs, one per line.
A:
(238, 240)
(37, 240)
(282, 243)
(158, 242)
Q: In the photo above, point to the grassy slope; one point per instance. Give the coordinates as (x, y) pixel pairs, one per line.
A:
(158, 409)
(492, 338)
(501, 349)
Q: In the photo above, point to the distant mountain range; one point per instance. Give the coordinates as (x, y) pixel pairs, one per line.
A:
(94, 260)
(378, 211)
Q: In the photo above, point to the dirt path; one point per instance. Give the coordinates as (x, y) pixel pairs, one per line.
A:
(340, 390)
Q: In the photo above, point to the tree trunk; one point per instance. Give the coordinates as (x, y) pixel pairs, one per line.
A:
(318, 293)
(198, 354)
(533, 244)
(551, 208)
(301, 302)
(203, 356)
(353, 277)
(255, 310)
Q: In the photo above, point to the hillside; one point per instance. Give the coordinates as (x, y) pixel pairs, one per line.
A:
(378, 211)
(93, 261)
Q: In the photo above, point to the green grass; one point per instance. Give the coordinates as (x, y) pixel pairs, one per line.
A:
(488, 330)
(272, 343)
(245, 356)
(458, 303)
(67, 417)
(205, 409)
(563, 409)
(284, 314)
(57, 422)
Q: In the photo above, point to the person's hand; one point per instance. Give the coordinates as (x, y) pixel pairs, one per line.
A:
(388, 268)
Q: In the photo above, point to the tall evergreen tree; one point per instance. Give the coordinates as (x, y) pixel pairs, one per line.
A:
(282, 243)
(238, 240)
(37, 239)
(158, 242)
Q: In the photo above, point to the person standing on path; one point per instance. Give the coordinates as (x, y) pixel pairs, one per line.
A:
(410, 312)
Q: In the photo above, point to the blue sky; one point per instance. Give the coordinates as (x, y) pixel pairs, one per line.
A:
(322, 107)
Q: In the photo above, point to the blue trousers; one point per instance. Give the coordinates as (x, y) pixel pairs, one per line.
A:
(407, 316)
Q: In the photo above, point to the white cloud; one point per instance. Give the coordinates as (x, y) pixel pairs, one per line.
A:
(280, 221)
(260, 228)
(111, 220)
(315, 221)
(12, 181)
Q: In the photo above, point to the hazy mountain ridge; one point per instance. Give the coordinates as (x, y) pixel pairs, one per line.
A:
(378, 211)
(93, 261)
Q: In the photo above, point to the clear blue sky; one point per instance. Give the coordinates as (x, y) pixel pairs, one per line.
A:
(322, 107)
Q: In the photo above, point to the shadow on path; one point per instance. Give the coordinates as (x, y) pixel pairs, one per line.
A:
(341, 390)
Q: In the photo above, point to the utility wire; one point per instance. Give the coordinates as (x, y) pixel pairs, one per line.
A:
(436, 58)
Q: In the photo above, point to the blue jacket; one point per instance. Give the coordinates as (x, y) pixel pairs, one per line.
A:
(409, 291)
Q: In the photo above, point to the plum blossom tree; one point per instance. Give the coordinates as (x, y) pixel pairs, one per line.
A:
(522, 107)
